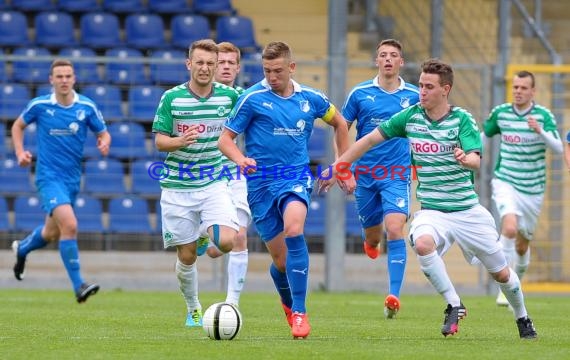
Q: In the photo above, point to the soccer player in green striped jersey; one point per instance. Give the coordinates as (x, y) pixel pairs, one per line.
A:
(446, 148)
(226, 73)
(527, 130)
(188, 123)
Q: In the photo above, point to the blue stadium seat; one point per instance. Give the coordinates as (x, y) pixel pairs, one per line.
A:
(185, 29)
(353, 226)
(128, 140)
(107, 98)
(251, 68)
(79, 6)
(129, 214)
(143, 184)
(104, 177)
(13, 99)
(89, 211)
(144, 31)
(168, 6)
(13, 178)
(124, 6)
(13, 29)
(33, 5)
(214, 7)
(54, 29)
(125, 73)
(28, 213)
(44, 89)
(85, 70)
(4, 220)
(3, 142)
(31, 70)
(173, 71)
(100, 30)
(316, 217)
(238, 30)
(318, 145)
(143, 101)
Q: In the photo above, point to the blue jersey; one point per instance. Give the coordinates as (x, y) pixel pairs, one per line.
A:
(277, 129)
(371, 105)
(61, 132)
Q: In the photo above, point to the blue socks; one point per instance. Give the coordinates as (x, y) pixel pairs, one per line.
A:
(297, 271)
(70, 256)
(396, 264)
(32, 242)
(282, 285)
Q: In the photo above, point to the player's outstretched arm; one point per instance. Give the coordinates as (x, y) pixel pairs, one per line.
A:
(228, 147)
(104, 142)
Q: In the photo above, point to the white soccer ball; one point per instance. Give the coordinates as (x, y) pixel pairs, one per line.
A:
(222, 321)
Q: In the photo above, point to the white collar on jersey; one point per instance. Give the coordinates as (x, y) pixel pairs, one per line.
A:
(296, 86)
(400, 87)
(54, 100)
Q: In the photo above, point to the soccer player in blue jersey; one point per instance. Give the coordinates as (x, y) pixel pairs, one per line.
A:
(383, 198)
(63, 119)
(276, 116)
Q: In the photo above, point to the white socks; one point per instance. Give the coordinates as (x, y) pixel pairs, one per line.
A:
(434, 270)
(188, 281)
(513, 293)
(521, 263)
(237, 269)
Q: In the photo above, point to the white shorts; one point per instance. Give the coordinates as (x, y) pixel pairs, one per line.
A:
(474, 231)
(183, 213)
(238, 189)
(509, 200)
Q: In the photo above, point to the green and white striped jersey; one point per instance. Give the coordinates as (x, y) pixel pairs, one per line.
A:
(229, 166)
(443, 184)
(522, 152)
(198, 165)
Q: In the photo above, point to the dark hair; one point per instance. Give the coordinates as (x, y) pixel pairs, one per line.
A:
(438, 67)
(275, 50)
(59, 62)
(391, 42)
(524, 73)
(205, 44)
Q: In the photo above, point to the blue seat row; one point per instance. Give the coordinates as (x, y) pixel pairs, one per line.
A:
(124, 6)
(126, 214)
(102, 30)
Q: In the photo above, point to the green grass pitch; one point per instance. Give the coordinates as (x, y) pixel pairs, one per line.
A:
(38, 324)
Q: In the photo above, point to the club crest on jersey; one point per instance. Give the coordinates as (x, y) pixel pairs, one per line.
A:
(452, 134)
(221, 110)
(304, 105)
(80, 115)
(405, 102)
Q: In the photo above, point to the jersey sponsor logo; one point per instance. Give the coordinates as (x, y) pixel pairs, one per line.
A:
(304, 105)
(80, 115)
(202, 128)
(301, 125)
(50, 111)
(371, 97)
(74, 127)
(431, 148)
(419, 129)
(267, 105)
(517, 139)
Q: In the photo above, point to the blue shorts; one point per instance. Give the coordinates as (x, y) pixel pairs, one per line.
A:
(267, 201)
(55, 193)
(381, 198)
